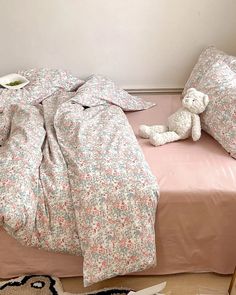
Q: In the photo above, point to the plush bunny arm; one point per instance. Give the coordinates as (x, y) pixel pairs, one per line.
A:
(196, 127)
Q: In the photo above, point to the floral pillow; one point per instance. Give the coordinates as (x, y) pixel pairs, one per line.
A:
(219, 118)
(208, 57)
(43, 83)
(101, 90)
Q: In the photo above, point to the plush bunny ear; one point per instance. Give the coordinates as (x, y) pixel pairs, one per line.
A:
(191, 90)
(206, 99)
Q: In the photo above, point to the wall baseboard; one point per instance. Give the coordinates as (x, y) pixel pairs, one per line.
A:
(155, 90)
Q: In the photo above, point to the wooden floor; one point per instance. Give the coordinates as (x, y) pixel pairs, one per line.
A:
(181, 284)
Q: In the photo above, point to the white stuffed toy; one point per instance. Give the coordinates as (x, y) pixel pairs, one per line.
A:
(182, 124)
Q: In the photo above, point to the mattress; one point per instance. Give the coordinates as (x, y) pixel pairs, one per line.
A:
(196, 216)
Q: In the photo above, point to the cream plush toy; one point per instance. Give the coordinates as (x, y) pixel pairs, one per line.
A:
(182, 124)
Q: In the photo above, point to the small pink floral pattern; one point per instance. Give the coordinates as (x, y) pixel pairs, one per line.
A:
(215, 75)
(208, 57)
(101, 90)
(74, 179)
(219, 118)
(43, 83)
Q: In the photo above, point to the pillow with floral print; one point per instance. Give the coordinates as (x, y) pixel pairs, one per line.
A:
(43, 83)
(219, 118)
(208, 57)
(101, 90)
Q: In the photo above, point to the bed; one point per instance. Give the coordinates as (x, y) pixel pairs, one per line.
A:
(195, 228)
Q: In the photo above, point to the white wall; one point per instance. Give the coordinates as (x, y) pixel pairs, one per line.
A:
(139, 43)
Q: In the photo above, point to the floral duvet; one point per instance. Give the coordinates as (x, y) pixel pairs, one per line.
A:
(72, 175)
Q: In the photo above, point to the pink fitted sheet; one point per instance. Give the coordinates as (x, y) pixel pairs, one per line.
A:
(196, 216)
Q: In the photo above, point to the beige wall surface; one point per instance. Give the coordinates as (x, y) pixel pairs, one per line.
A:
(139, 43)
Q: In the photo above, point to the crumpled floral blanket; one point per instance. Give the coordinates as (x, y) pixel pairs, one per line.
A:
(72, 175)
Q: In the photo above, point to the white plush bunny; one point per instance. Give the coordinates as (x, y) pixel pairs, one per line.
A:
(182, 124)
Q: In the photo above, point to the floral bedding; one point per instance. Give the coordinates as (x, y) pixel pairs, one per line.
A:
(215, 75)
(73, 178)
